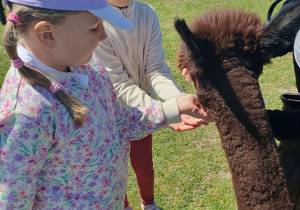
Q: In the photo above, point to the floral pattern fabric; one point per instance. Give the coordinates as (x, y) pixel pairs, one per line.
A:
(48, 163)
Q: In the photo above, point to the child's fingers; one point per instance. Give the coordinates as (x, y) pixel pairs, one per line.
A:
(188, 104)
(205, 116)
(198, 113)
(184, 127)
(174, 127)
(188, 120)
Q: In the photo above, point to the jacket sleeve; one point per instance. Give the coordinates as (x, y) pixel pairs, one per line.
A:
(157, 71)
(136, 123)
(23, 149)
(285, 124)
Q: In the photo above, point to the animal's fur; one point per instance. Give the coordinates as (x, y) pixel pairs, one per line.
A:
(225, 51)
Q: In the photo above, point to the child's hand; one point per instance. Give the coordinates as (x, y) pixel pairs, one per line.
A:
(185, 73)
(187, 123)
(189, 104)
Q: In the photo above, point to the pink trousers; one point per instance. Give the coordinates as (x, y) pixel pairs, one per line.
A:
(141, 162)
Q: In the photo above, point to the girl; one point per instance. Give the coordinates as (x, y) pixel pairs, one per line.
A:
(64, 136)
(135, 62)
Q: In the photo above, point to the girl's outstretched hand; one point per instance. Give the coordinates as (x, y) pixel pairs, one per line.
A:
(187, 123)
(189, 105)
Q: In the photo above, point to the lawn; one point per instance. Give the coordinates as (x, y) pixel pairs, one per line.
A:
(191, 170)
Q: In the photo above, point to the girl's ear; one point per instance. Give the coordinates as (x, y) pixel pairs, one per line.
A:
(43, 32)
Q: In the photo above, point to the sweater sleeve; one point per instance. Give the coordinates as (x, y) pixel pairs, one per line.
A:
(285, 124)
(157, 71)
(23, 149)
(136, 123)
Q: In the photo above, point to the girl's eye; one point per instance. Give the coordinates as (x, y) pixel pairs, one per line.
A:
(95, 29)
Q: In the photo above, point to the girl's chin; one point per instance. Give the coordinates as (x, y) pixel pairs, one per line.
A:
(85, 61)
(89, 58)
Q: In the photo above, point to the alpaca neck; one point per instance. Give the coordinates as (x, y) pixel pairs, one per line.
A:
(248, 142)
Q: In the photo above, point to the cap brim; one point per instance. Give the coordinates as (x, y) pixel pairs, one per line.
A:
(112, 16)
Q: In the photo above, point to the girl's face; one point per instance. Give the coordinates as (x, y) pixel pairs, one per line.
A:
(76, 39)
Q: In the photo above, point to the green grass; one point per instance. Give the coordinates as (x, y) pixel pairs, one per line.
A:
(191, 170)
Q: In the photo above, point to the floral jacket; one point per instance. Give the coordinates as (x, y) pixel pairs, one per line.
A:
(48, 163)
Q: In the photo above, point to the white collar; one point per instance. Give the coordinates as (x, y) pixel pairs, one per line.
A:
(297, 48)
(32, 61)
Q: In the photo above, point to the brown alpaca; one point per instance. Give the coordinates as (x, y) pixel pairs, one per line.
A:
(225, 51)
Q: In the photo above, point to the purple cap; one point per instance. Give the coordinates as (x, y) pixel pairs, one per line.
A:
(100, 8)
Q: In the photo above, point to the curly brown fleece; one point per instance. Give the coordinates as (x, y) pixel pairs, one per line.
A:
(223, 55)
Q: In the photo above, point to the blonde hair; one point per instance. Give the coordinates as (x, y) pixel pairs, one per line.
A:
(11, 35)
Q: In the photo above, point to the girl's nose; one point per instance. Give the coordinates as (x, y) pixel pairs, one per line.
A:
(102, 34)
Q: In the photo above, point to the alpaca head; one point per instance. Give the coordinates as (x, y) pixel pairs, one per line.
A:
(216, 36)
(217, 47)
(223, 42)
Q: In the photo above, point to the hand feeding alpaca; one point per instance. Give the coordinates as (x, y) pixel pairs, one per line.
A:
(225, 52)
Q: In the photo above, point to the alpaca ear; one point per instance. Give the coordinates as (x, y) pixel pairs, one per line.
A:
(279, 35)
(201, 48)
(187, 36)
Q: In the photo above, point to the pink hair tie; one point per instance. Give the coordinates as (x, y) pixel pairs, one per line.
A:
(17, 63)
(13, 18)
(54, 87)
